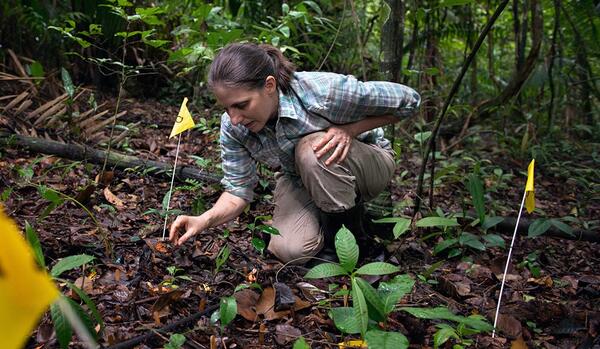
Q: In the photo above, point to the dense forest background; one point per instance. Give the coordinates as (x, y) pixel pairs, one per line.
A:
(108, 76)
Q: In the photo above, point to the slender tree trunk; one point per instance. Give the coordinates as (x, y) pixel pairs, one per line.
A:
(413, 39)
(392, 41)
(551, 63)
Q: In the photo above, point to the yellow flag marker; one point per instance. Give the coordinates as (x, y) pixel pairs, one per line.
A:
(529, 202)
(25, 290)
(529, 195)
(184, 120)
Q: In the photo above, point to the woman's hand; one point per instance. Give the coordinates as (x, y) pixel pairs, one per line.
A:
(338, 139)
(190, 225)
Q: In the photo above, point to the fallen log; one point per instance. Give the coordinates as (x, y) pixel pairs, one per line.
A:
(82, 152)
(507, 226)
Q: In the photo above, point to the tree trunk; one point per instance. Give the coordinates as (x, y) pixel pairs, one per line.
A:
(521, 75)
(83, 152)
(392, 41)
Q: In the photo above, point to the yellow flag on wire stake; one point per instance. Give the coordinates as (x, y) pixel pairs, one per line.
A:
(25, 290)
(529, 195)
(184, 120)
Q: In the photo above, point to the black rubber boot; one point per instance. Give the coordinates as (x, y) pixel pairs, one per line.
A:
(354, 220)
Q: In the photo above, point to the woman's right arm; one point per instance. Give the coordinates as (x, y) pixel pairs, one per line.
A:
(227, 207)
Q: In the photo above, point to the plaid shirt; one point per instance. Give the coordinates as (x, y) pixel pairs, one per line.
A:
(329, 99)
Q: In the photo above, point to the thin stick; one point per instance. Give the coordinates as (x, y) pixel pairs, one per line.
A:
(171, 190)
(507, 263)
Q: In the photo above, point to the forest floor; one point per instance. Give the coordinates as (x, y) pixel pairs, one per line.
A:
(141, 284)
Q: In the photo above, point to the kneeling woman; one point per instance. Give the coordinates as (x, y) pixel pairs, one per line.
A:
(320, 131)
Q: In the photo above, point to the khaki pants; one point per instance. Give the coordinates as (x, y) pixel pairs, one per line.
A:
(366, 171)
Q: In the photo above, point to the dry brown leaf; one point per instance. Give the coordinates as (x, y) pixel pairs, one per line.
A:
(266, 305)
(543, 281)
(518, 343)
(113, 199)
(507, 324)
(246, 301)
(284, 334)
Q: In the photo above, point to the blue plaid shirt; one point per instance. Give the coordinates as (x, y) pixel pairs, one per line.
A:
(329, 99)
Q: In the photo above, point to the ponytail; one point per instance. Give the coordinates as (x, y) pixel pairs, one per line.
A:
(248, 65)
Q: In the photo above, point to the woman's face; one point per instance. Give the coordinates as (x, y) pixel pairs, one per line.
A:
(250, 107)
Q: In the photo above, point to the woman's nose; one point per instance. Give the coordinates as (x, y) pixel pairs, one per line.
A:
(235, 117)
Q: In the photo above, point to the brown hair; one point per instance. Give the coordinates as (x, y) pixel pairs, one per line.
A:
(248, 65)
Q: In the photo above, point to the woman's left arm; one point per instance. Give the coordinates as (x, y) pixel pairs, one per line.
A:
(338, 138)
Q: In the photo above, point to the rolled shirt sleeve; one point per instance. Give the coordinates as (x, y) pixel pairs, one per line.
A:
(239, 168)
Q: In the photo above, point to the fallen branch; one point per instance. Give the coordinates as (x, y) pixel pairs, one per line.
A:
(168, 328)
(82, 152)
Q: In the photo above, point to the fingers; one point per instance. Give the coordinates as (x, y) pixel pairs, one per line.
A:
(179, 224)
(188, 234)
(339, 154)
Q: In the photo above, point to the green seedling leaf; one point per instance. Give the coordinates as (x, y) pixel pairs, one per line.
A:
(428, 222)
(34, 242)
(471, 240)
(345, 320)
(441, 246)
(360, 307)
(259, 244)
(562, 226)
(61, 325)
(377, 268)
(69, 263)
(392, 291)
(346, 248)
(476, 322)
(268, 229)
(538, 227)
(373, 299)
(491, 222)
(37, 70)
(67, 82)
(227, 310)
(386, 340)
(442, 335)
(325, 270)
(493, 240)
(475, 187)
(176, 341)
(88, 301)
(300, 343)
(222, 257)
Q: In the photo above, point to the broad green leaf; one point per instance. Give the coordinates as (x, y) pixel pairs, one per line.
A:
(50, 195)
(421, 137)
(372, 298)
(34, 242)
(442, 313)
(442, 335)
(538, 227)
(70, 262)
(67, 82)
(84, 317)
(562, 226)
(436, 222)
(392, 291)
(471, 240)
(300, 343)
(61, 325)
(475, 187)
(401, 227)
(389, 220)
(325, 270)
(493, 240)
(377, 339)
(476, 322)
(346, 249)
(360, 307)
(259, 244)
(227, 310)
(377, 268)
(345, 320)
(444, 245)
(491, 222)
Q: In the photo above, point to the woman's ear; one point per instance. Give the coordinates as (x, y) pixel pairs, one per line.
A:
(270, 84)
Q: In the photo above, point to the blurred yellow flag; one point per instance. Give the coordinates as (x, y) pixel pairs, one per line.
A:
(353, 343)
(529, 195)
(184, 120)
(25, 290)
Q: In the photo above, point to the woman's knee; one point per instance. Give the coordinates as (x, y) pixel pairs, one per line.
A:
(294, 251)
(306, 160)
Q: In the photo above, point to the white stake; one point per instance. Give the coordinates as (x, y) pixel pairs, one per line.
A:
(507, 263)
(171, 190)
